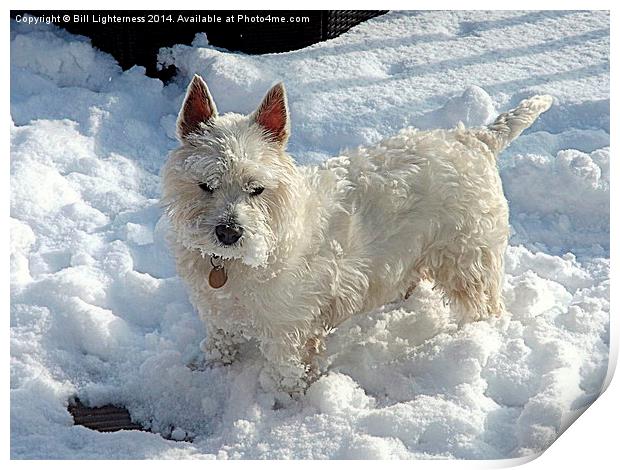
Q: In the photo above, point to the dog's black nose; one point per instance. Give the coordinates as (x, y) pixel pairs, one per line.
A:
(228, 234)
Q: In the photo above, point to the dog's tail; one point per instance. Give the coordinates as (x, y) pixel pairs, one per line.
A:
(508, 126)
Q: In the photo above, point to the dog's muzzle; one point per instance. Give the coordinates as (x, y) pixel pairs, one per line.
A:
(228, 234)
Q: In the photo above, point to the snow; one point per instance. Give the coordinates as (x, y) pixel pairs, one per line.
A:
(98, 311)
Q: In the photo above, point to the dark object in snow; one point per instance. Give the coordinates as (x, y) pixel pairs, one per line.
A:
(108, 418)
(252, 31)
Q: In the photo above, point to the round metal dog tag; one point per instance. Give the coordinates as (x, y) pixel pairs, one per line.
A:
(217, 277)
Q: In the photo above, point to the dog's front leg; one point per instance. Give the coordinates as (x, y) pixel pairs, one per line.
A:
(220, 346)
(285, 371)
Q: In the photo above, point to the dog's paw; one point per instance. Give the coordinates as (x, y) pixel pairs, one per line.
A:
(211, 357)
(287, 381)
(218, 351)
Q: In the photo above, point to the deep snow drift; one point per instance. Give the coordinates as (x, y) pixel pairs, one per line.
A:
(98, 311)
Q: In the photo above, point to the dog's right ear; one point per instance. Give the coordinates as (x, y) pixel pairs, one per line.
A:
(198, 108)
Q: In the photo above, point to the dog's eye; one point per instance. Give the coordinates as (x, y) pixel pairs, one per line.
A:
(256, 191)
(205, 187)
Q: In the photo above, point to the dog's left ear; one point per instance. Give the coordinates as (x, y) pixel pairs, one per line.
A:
(272, 114)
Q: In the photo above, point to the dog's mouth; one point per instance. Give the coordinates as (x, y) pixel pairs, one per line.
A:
(250, 248)
(229, 246)
(234, 250)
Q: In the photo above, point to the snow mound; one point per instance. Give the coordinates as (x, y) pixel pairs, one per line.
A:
(98, 311)
(473, 108)
(542, 208)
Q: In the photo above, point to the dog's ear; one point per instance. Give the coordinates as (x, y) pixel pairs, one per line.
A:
(198, 107)
(272, 114)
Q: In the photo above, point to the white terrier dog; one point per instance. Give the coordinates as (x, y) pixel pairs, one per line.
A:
(283, 254)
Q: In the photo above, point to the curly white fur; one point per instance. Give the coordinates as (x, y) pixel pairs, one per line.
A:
(323, 243)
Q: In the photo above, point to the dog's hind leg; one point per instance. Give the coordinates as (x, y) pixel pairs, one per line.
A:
(414, 278)
(472, 282)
